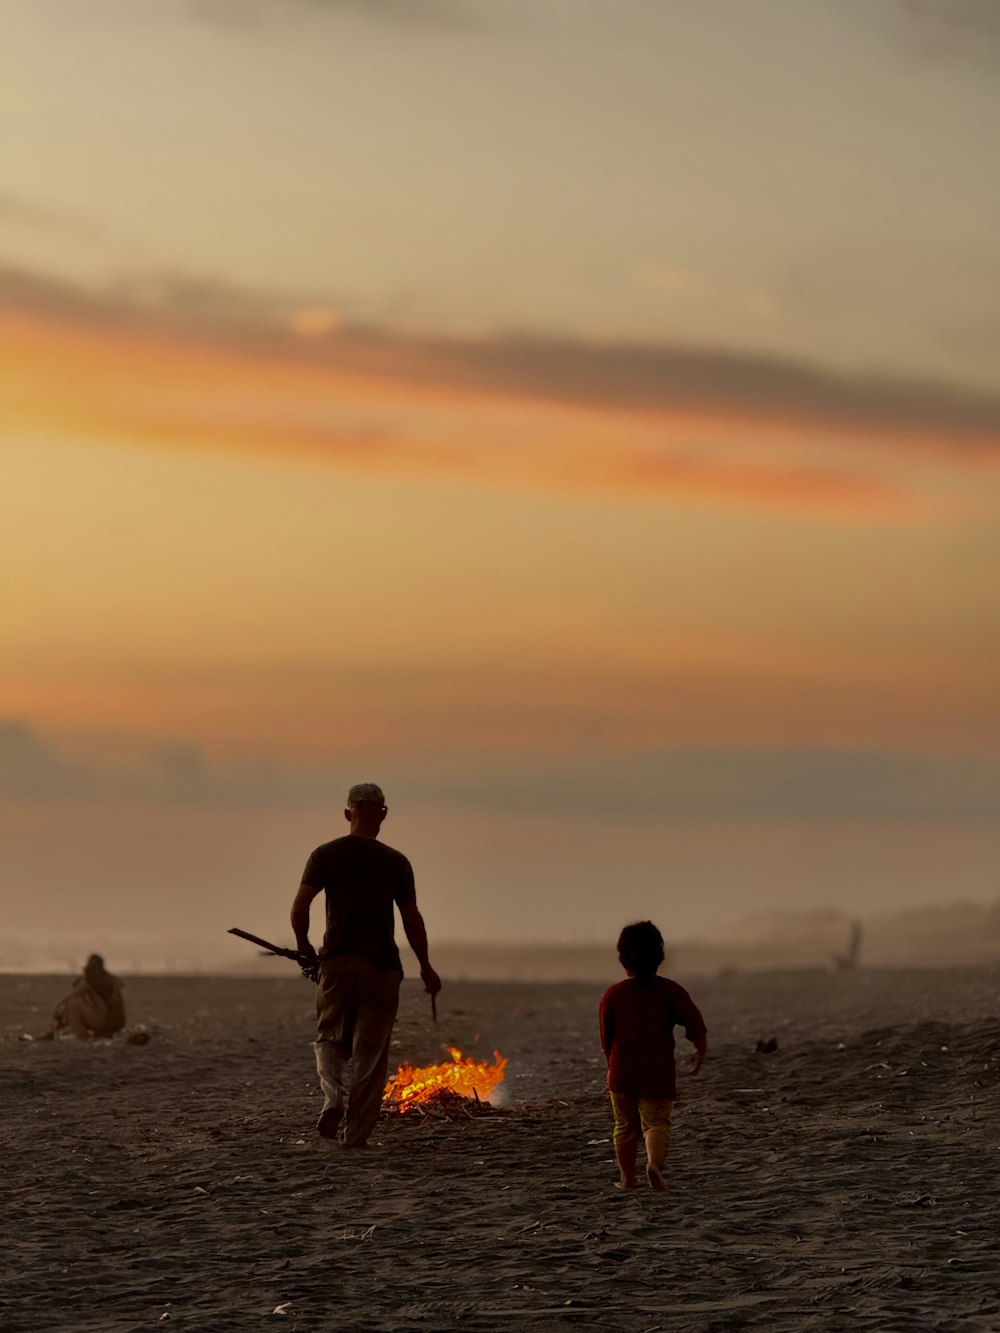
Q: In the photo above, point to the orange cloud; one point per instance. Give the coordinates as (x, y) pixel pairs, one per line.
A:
(573, 699)
(154, 387)
(187, 364)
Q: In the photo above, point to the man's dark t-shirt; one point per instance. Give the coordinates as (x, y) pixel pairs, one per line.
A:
(362, 879)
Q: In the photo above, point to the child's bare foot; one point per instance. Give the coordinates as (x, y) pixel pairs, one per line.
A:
(655, 1177)
(624, 1183)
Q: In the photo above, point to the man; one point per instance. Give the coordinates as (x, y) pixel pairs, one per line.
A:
(94, 1007)
(359, 966)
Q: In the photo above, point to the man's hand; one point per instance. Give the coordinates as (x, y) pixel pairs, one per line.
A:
(697, 1056)
(431, 980)
(308, 961)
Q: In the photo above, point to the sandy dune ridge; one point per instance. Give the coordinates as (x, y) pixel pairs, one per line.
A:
(850, 1180)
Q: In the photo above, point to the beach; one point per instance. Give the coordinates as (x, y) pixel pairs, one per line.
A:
(849, 1179)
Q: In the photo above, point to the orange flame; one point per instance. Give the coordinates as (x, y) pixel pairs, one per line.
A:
(409, 1086)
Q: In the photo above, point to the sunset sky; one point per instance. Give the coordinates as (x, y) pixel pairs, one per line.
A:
(582, 419)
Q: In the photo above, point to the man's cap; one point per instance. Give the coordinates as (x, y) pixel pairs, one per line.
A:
(365, 791)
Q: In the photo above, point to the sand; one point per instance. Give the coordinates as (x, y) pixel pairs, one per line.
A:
(849, 1180)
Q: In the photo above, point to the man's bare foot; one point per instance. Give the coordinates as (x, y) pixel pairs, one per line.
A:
(328, 1123)
(655, 1177)
(624, 1184)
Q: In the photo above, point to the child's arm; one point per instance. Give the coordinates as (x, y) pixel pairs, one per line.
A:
(694, 1026)
(607, 1018)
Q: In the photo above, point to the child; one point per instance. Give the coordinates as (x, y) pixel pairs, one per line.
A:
(637, 1022)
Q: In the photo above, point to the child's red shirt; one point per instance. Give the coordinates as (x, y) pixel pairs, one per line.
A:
(637, 1034)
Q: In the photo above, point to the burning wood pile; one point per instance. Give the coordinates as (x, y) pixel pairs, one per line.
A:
(452, 1091)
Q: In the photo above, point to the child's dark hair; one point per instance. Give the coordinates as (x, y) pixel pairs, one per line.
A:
(640, 949)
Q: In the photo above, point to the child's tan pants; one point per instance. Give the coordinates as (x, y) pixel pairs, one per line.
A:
(638, 1115)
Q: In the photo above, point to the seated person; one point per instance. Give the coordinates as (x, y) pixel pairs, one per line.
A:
(94, 1007)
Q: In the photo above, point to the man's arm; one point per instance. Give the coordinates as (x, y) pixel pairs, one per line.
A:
(416, 935)
(300, 918)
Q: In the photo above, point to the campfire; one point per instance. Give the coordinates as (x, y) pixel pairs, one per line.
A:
(461, 1085)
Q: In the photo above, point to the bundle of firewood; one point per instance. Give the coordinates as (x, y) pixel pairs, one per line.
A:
(442, 1104)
